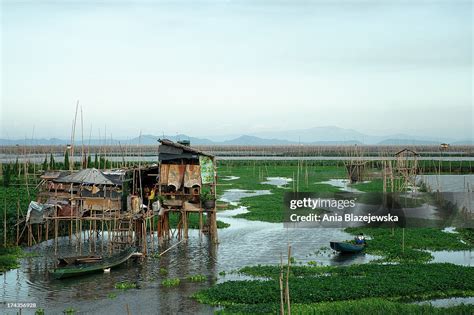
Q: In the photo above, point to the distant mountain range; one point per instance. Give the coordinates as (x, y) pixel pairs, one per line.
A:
(329, 135)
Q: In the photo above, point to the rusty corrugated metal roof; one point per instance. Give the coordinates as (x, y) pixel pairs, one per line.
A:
(185, 148)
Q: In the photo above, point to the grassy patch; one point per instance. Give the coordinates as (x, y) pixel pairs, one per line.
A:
(193, 221)
(372, 186)
(69, 311)
(364, 306)
(14, 196)
(309, 285)
(270, 208)
(196, 278)
(112, 296)
(125, 285)
(171, 282)
(9, 258)
(388, 242)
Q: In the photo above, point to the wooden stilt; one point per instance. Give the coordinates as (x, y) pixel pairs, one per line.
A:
(56, 236)
(287, 288)
(80, 236)
(18, 222)
(152, 232)
(5, 221)
(282, 297)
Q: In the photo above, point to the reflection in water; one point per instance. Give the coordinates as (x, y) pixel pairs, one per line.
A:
(462, 257)
(233, 196)
(89, 294)
(280, 182)
(243, 243)
(342, 259)
(449, 301)
(229, 177)
(343, 184)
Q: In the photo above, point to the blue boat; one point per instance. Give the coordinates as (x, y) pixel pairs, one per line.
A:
(345, 247)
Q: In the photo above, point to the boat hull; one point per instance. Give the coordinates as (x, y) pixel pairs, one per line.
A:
(83, 269)
(343, 247)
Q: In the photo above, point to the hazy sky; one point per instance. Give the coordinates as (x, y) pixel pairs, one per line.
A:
(236, 67)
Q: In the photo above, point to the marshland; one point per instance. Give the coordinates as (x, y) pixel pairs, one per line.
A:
(400, 270)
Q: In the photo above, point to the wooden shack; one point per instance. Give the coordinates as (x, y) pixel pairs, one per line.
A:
(406, 169)
(125, 207)
(186, 184)
(73, 201)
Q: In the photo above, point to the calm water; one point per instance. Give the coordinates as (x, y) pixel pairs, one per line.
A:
(244, 243)
(39, 158)
(448, 183)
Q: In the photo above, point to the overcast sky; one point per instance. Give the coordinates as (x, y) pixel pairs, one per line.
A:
(230, 67)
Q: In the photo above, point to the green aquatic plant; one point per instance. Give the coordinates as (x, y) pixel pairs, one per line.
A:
(171, 282)
(309, 285)
(39, 311)
(9, 257)
(196, 278)
(69, 311)
(163, 271)
(410, 245)
(112, 295)
(364, 306)
(125, 285)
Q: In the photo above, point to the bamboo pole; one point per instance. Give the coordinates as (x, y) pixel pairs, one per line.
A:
(144, 237)
(152, 229)
(82, 142)
(403, 240)
(90, 235)
(282, 298)
(102, 234)
(71, 165)
(5, 221)
(56, 236)
(287, 288)
(80, 236)
(18, 222)
(164, 252)
(94, 234)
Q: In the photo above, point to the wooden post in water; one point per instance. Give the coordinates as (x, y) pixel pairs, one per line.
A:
(152, 236)
(56, 233)
(47, 229)
(90, 235)
(95, 232)
(102, 234)
(17, 222)
(5, 221)
(80, 236)
(403, 240)
(185, 224)
(287, 288)
(282, 299)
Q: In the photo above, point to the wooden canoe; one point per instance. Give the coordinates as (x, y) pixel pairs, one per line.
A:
(344, 247)
(75, 260)
(80, 269)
